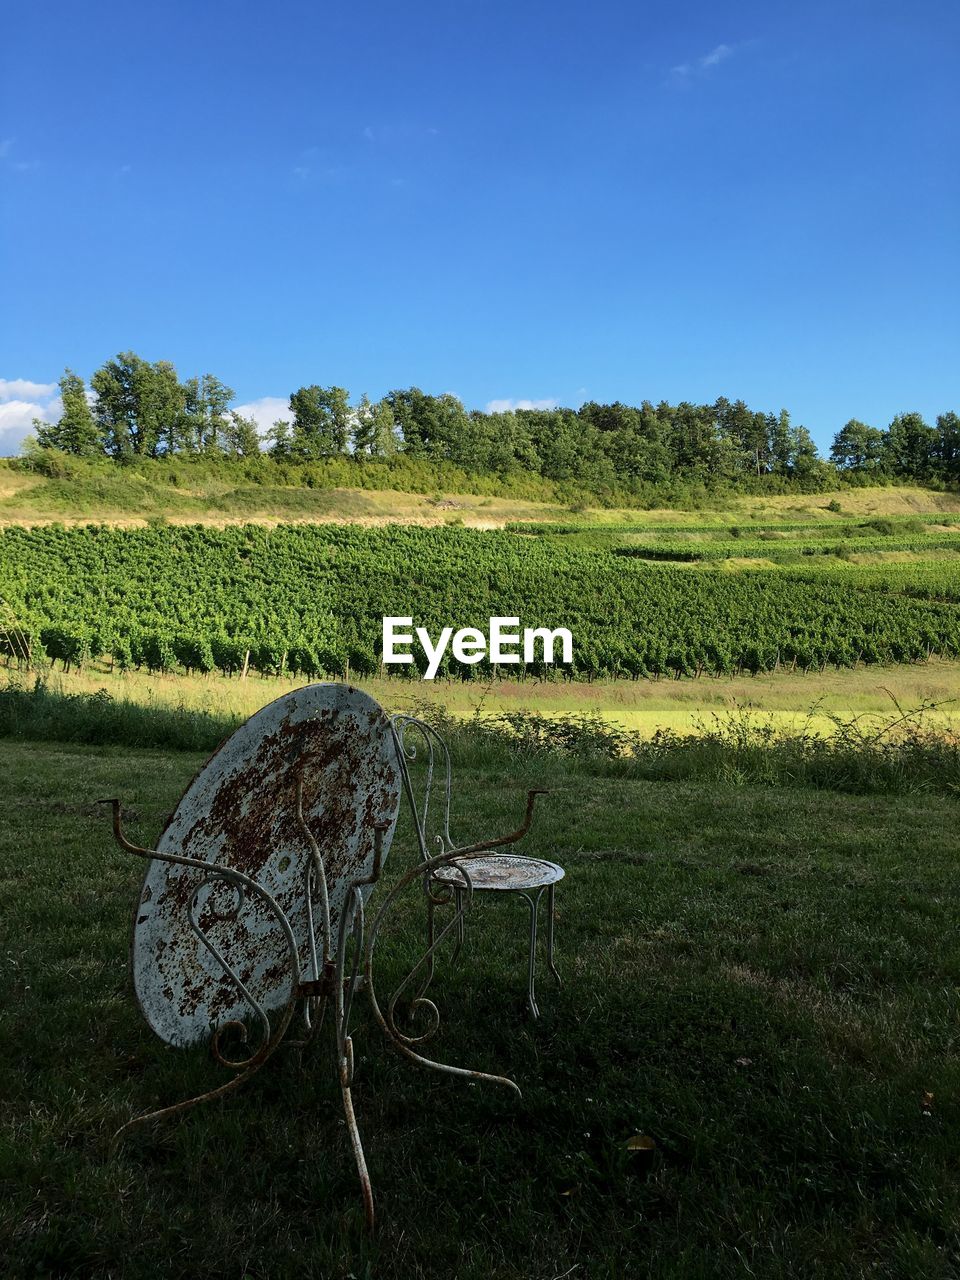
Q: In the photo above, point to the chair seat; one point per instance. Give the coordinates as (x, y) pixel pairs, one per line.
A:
(501, 871)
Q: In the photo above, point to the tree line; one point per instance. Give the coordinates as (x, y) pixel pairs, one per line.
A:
(137, 408)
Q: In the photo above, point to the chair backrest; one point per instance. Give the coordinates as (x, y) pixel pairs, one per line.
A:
(424, 760)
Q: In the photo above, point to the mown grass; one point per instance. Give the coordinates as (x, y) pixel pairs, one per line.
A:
(764, 981)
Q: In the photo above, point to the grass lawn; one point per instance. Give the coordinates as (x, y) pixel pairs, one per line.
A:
(763, 981)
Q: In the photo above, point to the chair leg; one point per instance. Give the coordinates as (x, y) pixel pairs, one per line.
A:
(534, 905)
(551, 890)
(461, 927)
(428, 976)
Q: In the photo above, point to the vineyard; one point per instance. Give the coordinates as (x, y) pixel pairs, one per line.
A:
(782, 543)
(309, 600)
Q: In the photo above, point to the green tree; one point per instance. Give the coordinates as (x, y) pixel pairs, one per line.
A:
(557, 437)
(75, 431)
(432, 426)
(116, 405)
(239, 436)
(161, 405)
(139, 407)
(857, 447)
(410, 411)
(910, 447)
(947, 447)
(372, 430)
(204, 421)
(803, 461)
(631, 439)
(693, 438)
(785, 443)
(279, 438)
(745, 437)
(321, 422)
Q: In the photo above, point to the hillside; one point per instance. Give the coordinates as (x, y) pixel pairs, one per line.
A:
(84, 492)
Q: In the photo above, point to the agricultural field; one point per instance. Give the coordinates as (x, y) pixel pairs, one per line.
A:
(753, 774)
(307, 601)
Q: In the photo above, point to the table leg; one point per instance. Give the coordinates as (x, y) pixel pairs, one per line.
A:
(534, 904)
(551, 890)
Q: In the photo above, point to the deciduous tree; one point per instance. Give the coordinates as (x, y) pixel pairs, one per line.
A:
(75, 431)
(857, 447)
(321, 422)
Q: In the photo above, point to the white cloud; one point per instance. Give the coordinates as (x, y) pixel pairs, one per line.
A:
(16, 418)
(712, 59)
(16, 413)
(22, 400)
(22, 388)
(716, 55)
(507, 406)
(6, 146)
(307, 173)
(266, 411)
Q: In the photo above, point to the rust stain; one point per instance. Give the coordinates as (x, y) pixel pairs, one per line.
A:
(240, 812)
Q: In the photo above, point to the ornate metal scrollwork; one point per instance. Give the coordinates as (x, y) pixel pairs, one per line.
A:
(272, 1034)
(328, 973)
(387, 1019)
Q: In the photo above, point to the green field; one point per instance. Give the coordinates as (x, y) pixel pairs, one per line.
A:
(823, 571)
(763, 981)
(308, 600)
(758, 931)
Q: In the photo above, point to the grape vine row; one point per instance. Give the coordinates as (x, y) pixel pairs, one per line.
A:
(309, 600)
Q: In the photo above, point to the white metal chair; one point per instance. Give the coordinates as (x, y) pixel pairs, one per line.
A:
(458, 880)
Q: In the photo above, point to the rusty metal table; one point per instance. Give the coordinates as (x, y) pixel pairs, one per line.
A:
(252, 906)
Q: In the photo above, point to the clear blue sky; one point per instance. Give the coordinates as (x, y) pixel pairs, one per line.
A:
(509, 201)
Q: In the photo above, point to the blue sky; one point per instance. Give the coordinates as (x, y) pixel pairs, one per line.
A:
(543, 202)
